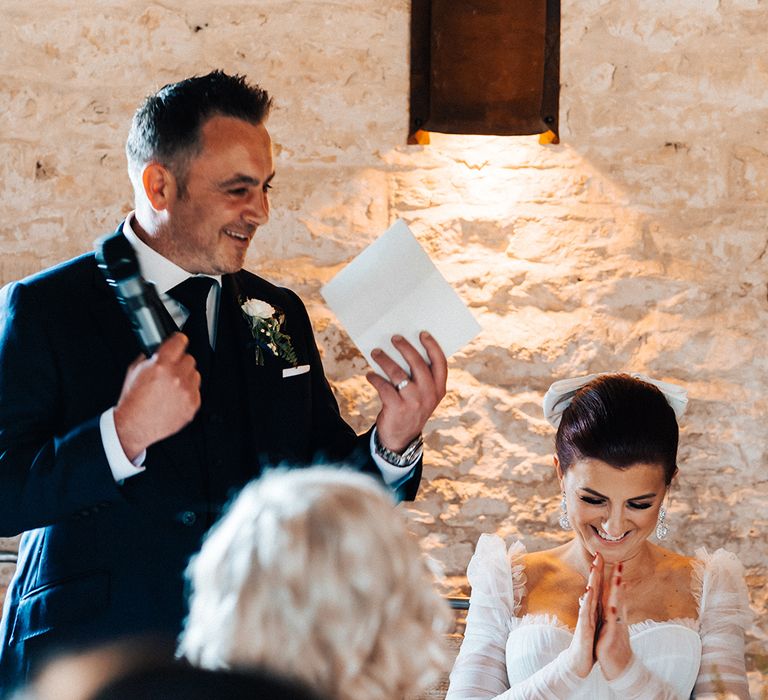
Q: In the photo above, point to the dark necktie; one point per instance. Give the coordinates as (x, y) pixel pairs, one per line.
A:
(193, 294)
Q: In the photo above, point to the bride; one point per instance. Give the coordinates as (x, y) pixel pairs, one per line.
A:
(608, 614)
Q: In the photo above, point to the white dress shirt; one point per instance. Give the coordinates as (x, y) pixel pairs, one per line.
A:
(165, 275)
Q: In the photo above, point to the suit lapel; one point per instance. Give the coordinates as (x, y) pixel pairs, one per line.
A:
(259, 379)
(112, 320)
(113, 325)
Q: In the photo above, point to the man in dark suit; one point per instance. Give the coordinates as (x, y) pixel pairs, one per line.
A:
(115, 467)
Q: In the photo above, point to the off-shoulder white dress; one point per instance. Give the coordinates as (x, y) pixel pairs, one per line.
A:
(506, 656)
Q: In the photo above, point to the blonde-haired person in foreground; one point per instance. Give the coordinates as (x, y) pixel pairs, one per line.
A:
(312, 573)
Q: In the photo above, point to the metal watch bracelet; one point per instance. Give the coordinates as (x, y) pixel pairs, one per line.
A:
(410, 454)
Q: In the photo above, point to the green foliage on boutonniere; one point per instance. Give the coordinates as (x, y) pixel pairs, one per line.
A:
(265, 321)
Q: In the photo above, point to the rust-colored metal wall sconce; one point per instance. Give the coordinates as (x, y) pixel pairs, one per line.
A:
(484, 67)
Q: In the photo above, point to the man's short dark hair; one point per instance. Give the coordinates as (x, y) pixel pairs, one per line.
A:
(166, 127)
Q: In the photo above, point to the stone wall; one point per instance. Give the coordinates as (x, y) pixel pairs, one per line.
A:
(640, 242)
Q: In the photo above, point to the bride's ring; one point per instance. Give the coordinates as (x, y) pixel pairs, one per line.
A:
(402, 384)
(582, 598)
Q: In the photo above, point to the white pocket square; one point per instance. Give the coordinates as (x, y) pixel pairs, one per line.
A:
(293, 371)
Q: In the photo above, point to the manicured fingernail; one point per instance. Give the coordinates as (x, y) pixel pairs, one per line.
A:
(618, 581)
(376, 351)
(425, 334)
(620, 567)
(397, 338)
(613, 609)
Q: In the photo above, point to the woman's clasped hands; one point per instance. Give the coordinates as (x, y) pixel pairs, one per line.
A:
(601, 629)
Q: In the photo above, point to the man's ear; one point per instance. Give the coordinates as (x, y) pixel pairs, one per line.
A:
(159, 185)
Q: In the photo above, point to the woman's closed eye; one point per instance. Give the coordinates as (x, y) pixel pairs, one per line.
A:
(601, 501)
(593, 501)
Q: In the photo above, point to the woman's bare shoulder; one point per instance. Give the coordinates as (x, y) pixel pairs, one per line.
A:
(545, 563)
(672, 562)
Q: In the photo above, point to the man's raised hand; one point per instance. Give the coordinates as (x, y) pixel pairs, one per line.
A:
(160, 395)
(405, 410)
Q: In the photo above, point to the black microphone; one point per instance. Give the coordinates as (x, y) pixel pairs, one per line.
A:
(149, 319)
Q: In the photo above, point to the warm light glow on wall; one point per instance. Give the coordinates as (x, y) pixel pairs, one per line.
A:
(484, 155)
(488, 146)
(492, 173)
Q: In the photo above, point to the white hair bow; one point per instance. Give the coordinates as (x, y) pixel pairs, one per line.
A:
(560, 394)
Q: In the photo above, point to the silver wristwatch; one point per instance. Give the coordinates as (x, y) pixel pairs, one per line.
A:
(410, 454)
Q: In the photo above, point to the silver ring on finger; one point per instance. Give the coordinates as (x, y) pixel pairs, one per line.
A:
(402, 384)
(582, 598)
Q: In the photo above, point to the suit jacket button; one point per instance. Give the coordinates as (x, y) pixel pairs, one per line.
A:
(188, 518)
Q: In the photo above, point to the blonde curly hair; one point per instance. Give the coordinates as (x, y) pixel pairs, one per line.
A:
(313, 574)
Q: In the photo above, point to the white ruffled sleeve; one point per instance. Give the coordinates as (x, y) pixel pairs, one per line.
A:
(724, 614)
(497, 579)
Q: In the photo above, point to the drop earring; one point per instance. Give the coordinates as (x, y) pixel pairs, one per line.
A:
(563, 519)
(662, 529)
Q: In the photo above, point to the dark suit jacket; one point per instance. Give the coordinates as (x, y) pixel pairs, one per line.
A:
(97, 559)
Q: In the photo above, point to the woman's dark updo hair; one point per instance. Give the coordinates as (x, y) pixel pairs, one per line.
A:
(621, 421)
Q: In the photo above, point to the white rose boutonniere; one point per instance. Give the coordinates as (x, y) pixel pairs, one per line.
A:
(264, 321)
(256, 308)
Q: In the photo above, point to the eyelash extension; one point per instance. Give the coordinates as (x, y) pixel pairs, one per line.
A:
(592, 501)
(600, 502)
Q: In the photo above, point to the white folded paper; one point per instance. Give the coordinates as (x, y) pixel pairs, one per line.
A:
(393, 287)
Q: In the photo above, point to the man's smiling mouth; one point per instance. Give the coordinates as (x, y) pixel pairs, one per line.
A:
(237, 236)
